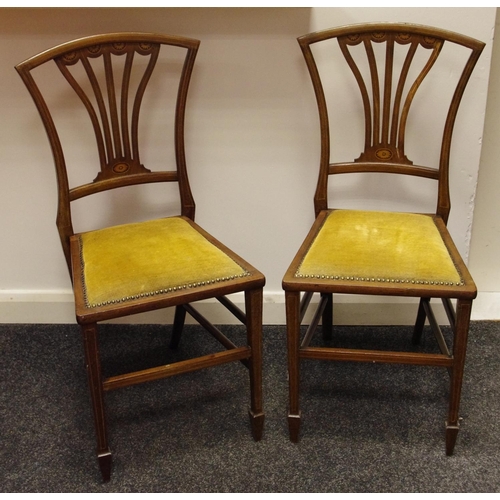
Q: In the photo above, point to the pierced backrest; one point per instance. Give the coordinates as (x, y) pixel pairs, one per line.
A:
(388, 86)
(102, 70)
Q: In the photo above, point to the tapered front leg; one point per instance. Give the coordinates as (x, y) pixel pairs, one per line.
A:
(457, 372)
(93, 365)
(292, 303)
(253, 308)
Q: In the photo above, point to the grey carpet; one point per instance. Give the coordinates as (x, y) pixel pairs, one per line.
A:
(365, 428)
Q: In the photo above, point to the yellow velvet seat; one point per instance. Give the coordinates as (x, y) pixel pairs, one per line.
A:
(379, 247)
(128, 262)
(351, 250)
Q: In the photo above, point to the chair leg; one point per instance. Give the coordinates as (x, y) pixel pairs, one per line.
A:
(179, 319)
(253, 307)
(93, 365)
(419, 323)
(457, 371)
(292, 303)
(327, 319)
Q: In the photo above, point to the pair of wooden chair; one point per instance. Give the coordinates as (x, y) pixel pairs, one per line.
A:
(142, 266)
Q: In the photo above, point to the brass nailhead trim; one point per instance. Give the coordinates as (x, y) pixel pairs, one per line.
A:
(380, 280)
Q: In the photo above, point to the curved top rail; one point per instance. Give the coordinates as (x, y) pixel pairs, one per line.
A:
(108, 38)
(451, 36)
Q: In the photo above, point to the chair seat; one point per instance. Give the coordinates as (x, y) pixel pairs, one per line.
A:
(379, 247)
(132, 261)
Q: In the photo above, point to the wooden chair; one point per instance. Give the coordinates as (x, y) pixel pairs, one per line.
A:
(377, 252)
(150, 264)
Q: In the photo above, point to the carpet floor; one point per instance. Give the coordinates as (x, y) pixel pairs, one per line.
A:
(365, 427)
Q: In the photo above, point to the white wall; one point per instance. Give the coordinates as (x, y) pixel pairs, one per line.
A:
(484, 262)
(252, 138)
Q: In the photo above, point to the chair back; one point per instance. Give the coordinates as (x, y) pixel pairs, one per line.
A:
(110, 74)
(389, 63)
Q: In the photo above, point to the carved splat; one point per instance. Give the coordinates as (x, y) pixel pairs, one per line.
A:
(113, 105)
(386, 103)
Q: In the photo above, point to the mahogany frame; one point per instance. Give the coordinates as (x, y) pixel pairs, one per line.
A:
(385, 127)
(116, 132)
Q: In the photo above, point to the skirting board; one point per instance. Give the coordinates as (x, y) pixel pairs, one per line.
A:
(21, 306)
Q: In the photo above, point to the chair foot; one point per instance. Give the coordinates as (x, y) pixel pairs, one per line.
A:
(257, 423)
(105, 461)
(451, 437)
(294, 427)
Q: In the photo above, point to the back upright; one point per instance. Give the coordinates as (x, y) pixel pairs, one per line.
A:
(110, 75)
(389, 64)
